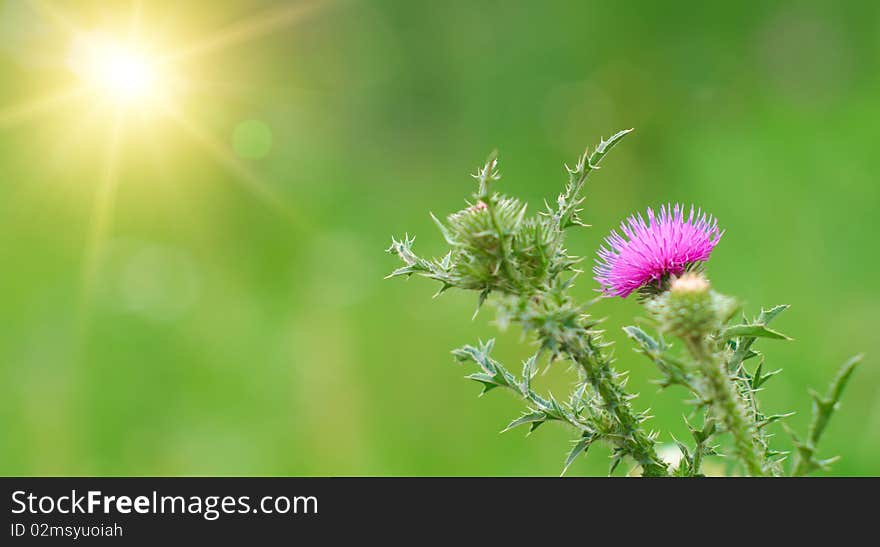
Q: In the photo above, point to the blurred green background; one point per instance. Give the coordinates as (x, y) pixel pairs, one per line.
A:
(218, 332)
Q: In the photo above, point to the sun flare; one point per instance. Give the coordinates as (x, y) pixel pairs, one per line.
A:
(120, 72)
(128, 83)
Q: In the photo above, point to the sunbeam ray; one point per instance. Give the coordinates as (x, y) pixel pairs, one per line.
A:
(241, 173)
(134, 20)
(261, 24)
(21, 112)
(55, 15)
(102, 213)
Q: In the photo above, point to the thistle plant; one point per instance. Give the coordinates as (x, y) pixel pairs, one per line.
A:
(519, 263)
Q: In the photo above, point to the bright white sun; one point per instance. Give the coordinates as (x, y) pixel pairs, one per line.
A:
(124, 74)
(118, 71)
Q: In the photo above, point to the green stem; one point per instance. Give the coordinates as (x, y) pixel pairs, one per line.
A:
(823, 408)
(773, 468)
(698, 460)
(631, 439)
(727, 404)
(587, 163)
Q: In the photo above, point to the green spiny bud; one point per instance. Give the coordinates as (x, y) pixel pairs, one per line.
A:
(689, 308)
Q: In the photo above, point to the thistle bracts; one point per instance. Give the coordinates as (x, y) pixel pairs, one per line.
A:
(690, 308)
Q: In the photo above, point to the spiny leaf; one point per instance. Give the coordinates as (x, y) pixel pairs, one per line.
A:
(577, 397)
(760, 378)
(641, 337)
(528, 372)
(842, 378)
(529, 418)
(566, 214)
(823, 409)
(579, 448)
(445, 287)
(534, 426)
(767, 315)
(615, 461)
(757, 331)
(773, 418)
(682, 448)
(443, 230)
(701, 435)
(488, 382)
(484, 294)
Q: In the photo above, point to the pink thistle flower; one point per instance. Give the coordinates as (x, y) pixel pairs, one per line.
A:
(652, 251)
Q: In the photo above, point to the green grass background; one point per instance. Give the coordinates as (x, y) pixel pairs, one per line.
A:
(222, 337)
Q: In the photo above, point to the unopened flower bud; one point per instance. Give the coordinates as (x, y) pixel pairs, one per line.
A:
(690, 284)
(687, 309)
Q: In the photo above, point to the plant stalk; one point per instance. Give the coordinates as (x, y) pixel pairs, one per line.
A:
(631, 439)
(727, 404)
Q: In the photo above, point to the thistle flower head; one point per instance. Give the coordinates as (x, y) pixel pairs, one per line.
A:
(652, 251)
